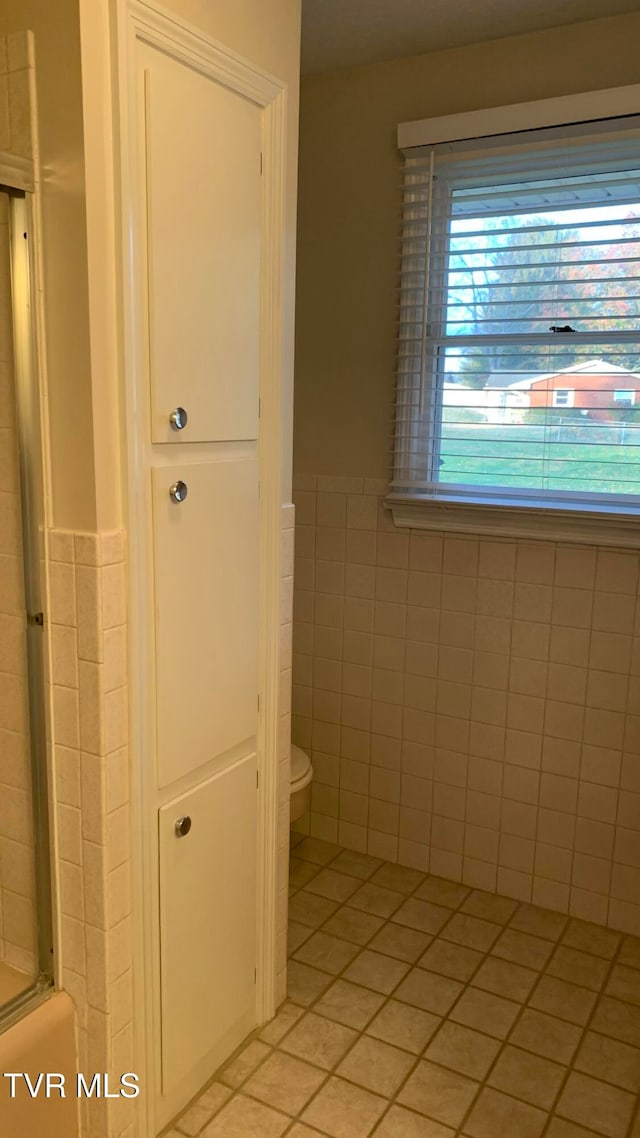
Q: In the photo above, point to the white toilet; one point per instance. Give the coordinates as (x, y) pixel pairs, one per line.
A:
(300, 786)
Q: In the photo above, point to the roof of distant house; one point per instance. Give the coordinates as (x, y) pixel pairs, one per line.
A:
(502, 379)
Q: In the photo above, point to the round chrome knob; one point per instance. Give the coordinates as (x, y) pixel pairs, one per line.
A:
(178, 491)
(182, 826)
(179, 419)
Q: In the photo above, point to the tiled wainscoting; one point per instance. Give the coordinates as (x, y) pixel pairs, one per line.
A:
(18, 135)
(472, 706)
(420, 1008)
(90, 730)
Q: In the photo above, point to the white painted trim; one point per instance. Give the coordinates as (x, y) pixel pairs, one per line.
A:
(136, 507)
(160, 28)
(139, 21)
(588, 106)
(270, 443)
(542, 524)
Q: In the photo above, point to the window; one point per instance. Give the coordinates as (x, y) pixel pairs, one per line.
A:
(521, 270)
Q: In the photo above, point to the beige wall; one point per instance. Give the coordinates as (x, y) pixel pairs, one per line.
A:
(101, 212)
(349, 212)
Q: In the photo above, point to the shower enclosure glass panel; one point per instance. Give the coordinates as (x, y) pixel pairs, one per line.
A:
(25, 912)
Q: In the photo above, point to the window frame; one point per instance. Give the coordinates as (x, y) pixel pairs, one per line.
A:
(591, 521)
(625, 391)
(570, 394)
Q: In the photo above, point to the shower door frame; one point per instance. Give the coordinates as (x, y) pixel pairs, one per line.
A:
(16, 180)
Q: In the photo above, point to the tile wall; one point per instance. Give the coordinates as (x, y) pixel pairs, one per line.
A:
(17, 102)
(88, 638)
(471, 705)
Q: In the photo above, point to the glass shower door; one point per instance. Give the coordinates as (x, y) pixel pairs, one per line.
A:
(25, 936)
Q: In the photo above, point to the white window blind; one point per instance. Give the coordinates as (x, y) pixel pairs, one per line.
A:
(519, 330)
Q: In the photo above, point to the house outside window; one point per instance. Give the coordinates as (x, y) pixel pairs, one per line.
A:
(519, 340)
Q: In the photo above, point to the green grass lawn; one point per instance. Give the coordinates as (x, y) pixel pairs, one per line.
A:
(529, 457)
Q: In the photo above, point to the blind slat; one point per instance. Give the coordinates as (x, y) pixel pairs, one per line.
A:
(494, 249)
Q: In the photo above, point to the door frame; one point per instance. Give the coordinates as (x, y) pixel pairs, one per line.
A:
(139, 22)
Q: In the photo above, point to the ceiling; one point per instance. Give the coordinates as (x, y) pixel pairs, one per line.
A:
(347, 33)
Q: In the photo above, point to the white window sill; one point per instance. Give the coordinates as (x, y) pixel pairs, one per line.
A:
(542, 523)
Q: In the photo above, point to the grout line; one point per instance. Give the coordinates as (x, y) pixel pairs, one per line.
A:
(386, 1000)
(542, 972)
(515, 578)
(417, 1058)
(635, 1117)
(360, 1033)
(503, 1044)
(571, 1068)
(308, 1008)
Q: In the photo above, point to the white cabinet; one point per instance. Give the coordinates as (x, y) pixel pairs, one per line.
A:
(208, 916)
(201, 239)
(204, 218)
(206, 595)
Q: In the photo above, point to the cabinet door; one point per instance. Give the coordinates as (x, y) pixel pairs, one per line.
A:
(208, 918)
(206, 597)
(204, 218)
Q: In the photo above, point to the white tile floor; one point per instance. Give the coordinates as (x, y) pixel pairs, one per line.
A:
(419, 1008)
